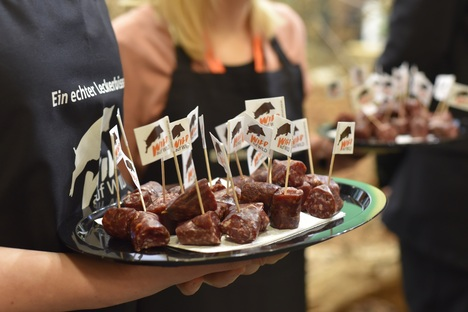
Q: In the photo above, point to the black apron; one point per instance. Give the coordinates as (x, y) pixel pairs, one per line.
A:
(54, 56)
(427, 209)
(221, 97)
(280, 287)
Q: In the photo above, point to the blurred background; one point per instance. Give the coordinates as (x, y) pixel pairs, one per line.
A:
(359, 271)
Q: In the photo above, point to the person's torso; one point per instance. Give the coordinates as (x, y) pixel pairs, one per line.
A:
(221, 97)
(60, 87)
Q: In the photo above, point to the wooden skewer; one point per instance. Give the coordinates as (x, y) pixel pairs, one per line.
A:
(176, 163)
(117, 187)
(239, 165)
(233, 191)
(200, 201)
(207, 162)
(119, 119)
(375, 121)
(331, 168)
(287, 175)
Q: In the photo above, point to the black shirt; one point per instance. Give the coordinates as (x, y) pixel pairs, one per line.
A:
(61, 84)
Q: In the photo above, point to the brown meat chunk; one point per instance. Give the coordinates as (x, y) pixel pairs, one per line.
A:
(187, 206)
(245, 225)
(285, 208)
(146, 231)
(203, 230)
(320, 202)
(117, 221)
(297, 171)
(258, 192)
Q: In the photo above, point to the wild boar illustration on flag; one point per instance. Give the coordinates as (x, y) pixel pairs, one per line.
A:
(265, 110)
(153, 141)
(344, 140)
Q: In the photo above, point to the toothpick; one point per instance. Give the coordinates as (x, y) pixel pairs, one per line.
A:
(287, 175)
(176, 163)
(119, 119)
(163, 179)
(375, 121)
(207, 162)
(441, 106)
(238, 165)
(115, 174)
(200, 201)
(331, 168)
(311, 163)
(233, 191)
(270, 169)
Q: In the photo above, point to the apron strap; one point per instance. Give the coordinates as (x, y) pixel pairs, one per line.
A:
(183, 57)
(216, 67)
(281, 56)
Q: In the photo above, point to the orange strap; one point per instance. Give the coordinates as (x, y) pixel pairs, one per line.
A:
(259, 60)
(216, 67)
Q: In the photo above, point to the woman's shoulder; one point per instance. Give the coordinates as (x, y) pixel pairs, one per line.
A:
(291, 30)
(141, 27)
(141, 33)
(137, 20)
(290, 19)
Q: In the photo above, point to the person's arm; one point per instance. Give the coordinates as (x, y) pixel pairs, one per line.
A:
(47, 281)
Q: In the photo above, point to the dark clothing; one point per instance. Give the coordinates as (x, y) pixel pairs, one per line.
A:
(430, 34)
(220, 97)
(428, 186)
(428, 209)
(443, 289)
(55, 60)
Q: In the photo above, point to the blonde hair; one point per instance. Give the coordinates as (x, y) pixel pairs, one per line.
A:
(185, 19)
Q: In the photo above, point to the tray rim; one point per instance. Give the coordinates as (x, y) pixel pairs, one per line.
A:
(167, 256)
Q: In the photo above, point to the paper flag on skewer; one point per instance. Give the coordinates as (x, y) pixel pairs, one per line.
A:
(117, 146)
(264, 110)
(122, 157)
(201, 120)
(442, 86)
(254, 159)
(180, 131)
(301, 141)
(222, 132)
(223, 160)
(458, 96)
(258, 136)
(235, 135)
(335, 89)
(360, 96)
(188, 169)
(193, 123)
(223, 136)
(357, 75)
(344, 142)
(131, 169)
(153, 141)
(344, 139)
(400, 78)
(221, 154)
(282, 136)
(422, 88)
